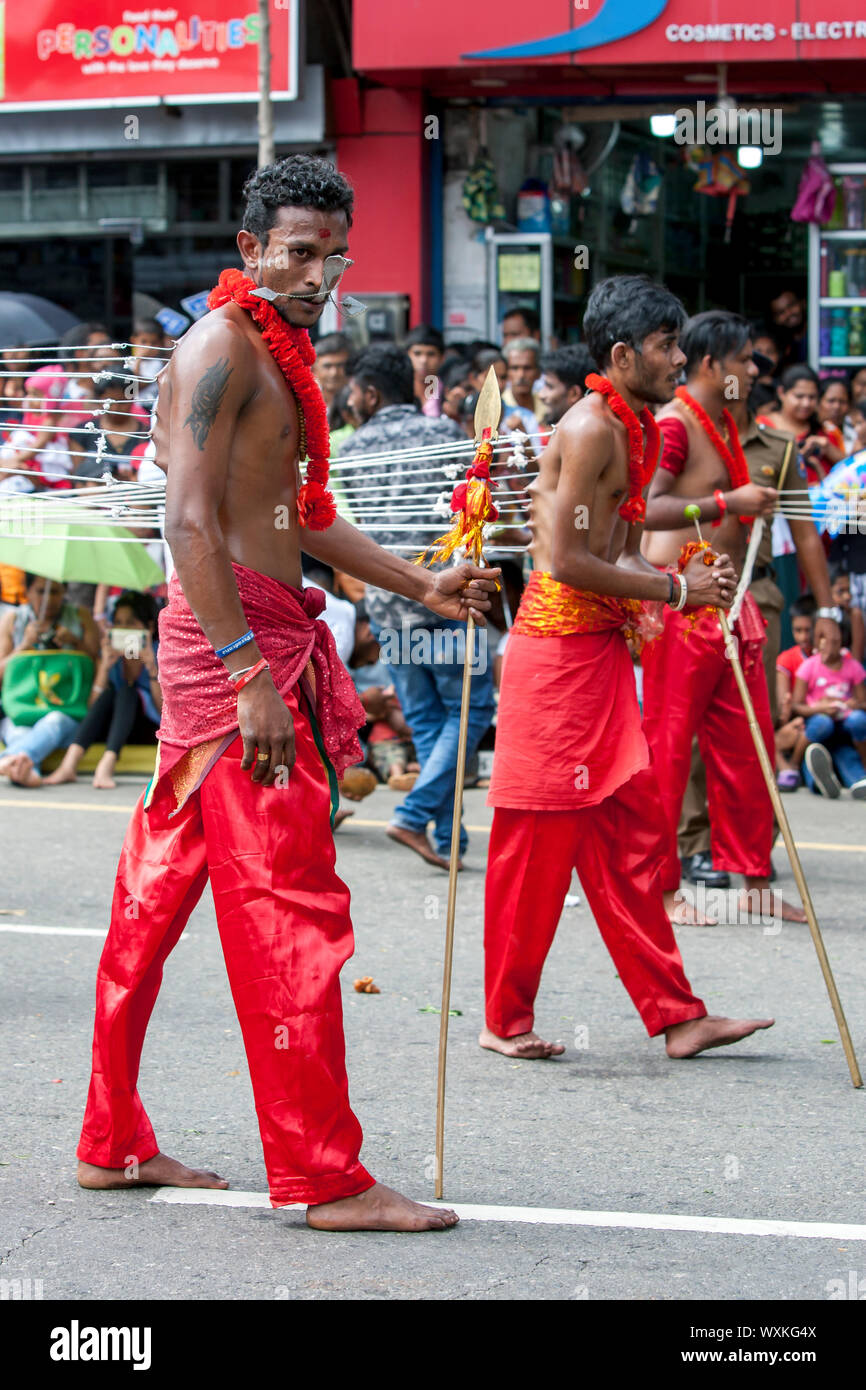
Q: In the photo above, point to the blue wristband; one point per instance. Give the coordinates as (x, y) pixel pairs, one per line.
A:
(239, 642)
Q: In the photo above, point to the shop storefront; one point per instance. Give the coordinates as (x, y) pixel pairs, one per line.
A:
(489, 119)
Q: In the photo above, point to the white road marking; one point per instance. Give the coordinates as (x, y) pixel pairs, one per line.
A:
(29, 929)
(556, 1216)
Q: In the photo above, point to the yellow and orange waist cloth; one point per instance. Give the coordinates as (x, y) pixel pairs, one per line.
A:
(549, 608)
(703, 623)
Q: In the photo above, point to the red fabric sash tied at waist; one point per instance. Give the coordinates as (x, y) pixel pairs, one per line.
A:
(199, 703)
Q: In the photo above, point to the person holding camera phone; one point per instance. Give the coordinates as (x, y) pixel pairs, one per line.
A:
(797, 414)
(125, 703)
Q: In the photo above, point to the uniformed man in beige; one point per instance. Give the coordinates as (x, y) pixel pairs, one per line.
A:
(772, 458)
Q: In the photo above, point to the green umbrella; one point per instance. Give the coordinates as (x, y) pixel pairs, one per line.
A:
(87, 549)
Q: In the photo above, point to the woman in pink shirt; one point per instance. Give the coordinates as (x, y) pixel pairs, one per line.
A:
(830, 694)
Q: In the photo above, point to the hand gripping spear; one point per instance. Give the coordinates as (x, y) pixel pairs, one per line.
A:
(693, 512)
(473, 508)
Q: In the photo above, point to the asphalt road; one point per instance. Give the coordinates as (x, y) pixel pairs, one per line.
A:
(770, 1130)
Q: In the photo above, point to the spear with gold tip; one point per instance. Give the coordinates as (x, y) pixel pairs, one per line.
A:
(473, 507)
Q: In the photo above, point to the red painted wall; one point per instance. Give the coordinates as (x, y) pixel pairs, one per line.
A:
(381, 150)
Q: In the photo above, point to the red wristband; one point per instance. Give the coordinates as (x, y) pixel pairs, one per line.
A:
(261, 665)
(722, 504)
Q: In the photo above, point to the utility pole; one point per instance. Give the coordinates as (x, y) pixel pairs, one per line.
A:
(266, 106)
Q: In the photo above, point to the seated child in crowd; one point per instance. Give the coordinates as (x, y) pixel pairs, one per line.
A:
(791, 740)
(830, 694)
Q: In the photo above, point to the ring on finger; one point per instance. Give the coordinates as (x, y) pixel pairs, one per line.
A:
(263, 757)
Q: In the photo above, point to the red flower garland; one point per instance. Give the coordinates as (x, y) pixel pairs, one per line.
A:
(641, 460)
(731, 454)
(294, 354)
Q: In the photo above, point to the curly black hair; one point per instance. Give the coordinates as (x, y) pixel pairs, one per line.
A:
(299, 181)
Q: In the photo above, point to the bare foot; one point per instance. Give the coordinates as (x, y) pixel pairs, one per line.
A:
(159, 1171)
(685, 914)
(342, 814)
(417, 840)
(59, 775)
(697, 1034)
(774, 902)
(380, 1208)
(19, 768)
(528, 1046)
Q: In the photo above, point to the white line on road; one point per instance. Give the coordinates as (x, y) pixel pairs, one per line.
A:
(29, 929)
(555, 1216)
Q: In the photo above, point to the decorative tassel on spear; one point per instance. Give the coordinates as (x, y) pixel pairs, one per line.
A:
(471, 500)
(473, 507)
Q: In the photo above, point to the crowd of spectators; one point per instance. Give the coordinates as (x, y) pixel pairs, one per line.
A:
(77, 659)
(421, 395)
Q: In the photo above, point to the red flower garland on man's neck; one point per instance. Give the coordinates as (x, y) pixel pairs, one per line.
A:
(731, 454)
(642, 459)
(294, 354)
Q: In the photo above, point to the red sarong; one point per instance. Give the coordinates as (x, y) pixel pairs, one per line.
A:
(568, 730)
(690, 689)
(572, 789)
(199, 714)
(282, 912)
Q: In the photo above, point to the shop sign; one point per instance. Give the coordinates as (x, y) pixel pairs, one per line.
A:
(453, 34)
(62, 53)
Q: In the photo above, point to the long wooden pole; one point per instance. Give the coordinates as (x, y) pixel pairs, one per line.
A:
(790, 846)
(266, 105)
(452, 905)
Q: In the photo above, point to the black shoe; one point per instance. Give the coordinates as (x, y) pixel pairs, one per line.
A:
(698, 868)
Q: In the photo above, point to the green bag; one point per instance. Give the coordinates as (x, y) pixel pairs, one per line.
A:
(35, 683)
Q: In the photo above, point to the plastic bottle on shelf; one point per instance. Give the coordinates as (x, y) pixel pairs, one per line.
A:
(838, 333)
(854, 203)
(825, 344)
(856, 337)
(852, 269)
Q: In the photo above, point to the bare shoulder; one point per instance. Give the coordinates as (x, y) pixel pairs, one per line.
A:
(676, 409)
(222, 335)
(587, 427)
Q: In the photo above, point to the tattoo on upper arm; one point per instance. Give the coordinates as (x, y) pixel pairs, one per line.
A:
(207, 399)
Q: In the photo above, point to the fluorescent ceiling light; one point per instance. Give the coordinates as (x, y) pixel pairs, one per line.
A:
(663, 125)
(750, 156)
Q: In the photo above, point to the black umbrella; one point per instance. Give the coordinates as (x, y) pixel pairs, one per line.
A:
(28, 320)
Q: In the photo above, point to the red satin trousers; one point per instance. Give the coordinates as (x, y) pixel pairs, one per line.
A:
(284, 925)
(616, 849)
(689, 689)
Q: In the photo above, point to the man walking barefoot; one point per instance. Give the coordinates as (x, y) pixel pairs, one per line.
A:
(689, 684)
(259, 720)
(571, 783)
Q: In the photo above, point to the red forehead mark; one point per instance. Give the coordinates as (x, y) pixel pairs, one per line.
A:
(323, 231)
